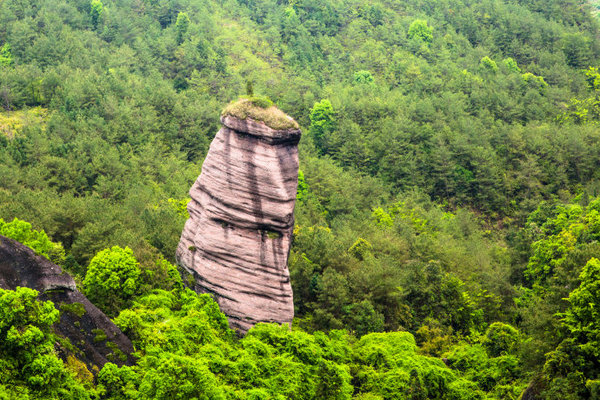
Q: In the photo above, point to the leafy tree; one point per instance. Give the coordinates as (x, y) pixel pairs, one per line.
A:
(333, 381)
(488, 65)
(419, 29)
(475, 152)
(511, 65)
(6, 58)
(593, 78)
(577, 50)
(571, 370)
(581, 318)
(322, 123)
(111, 279)
(500, 339)
(30, 366)
(361, 249)
(96, 11)
(181, 26)
(363, 77)
(21, 231)
(585, 111)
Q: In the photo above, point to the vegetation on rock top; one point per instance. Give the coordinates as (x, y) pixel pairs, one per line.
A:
(260, 109)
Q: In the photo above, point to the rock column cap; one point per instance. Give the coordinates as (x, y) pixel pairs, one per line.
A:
(268, 123)
(261, 130)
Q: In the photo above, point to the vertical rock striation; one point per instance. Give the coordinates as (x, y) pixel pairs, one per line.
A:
(237, 239)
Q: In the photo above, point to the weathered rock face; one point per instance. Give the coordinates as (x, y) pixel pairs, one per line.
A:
(237, 240)
(81, 322)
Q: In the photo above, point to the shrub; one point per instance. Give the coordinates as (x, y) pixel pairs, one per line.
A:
(112, 279)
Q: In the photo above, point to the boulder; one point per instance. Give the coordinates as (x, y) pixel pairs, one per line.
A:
(95, 339)
(237, 240)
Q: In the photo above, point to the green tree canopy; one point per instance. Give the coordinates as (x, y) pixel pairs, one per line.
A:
(419, 29)
(181, 26)
(6, 58)
(22, 231)
(111, 279)
(96, 10)
(322, 123)
(29, 365)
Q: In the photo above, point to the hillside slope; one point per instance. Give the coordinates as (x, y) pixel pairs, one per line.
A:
(448, 173)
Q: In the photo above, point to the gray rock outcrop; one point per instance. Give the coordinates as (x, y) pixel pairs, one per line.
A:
(237, 240)
(95, 338)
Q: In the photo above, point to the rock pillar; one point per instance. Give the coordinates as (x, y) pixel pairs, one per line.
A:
(237, 240)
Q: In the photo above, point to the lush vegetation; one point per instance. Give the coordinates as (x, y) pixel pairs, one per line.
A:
(447, 222)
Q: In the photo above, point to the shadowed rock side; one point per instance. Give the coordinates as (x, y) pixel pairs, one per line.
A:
(237, 240)
(95, 338)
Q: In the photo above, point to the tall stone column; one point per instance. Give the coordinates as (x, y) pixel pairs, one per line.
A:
(237, 240)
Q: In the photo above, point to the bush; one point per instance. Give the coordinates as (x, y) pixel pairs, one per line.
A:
(112, 279)
(500, 338)
(29, 365)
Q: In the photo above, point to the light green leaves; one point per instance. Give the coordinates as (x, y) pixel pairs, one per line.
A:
(37, 240)
(419, 29)
(112, 278)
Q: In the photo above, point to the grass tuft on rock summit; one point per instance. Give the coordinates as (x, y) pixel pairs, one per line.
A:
(260, 109)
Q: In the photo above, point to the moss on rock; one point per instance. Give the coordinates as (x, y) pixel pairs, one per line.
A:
(75, 308)
(260, 109)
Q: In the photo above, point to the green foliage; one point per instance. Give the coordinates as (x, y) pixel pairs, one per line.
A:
(30, 366)
(322, 123)
(577, 50)
(563, 265)
(21, 231)
(593, 78)
(585, 111)
(419, 29)
(582, 317)
(500, 339)
(537, 82)
(260, 109)
(571, 370)
(361, 249)
(511, 65)
(436, 164)
(488, 65)
(75, 308)
(260, 101)
(495, 375)
(302, 190)
(430, 293)
(96, 11)
(249, 88)
(181, 26)
(569, 228)
(180, 206)
(394, 370)
(6, 58)
(111, 279)
(363, 77)
(183, 339)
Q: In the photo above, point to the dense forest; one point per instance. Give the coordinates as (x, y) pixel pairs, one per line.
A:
(447, 230)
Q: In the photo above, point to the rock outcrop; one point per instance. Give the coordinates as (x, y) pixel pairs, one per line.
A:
(95, 339)
(237, 240)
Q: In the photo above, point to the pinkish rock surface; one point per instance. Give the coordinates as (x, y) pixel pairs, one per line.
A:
(237, 240)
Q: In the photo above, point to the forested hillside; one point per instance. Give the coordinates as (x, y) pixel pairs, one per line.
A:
(447, 216)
